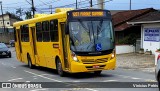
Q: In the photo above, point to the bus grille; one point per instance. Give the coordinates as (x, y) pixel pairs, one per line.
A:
(91, 68)
(92, 61)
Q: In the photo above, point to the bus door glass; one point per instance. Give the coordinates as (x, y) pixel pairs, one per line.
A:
(33, 44)
(19, 49)
(64, 41)
(33, 41)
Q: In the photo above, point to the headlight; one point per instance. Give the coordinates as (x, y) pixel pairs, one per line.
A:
(113, 54)
(74, 57)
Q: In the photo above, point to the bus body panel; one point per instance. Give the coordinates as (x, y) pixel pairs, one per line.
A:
(47, 52)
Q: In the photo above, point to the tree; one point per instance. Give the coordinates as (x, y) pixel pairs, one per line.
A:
(19, 12)
(12, 15)
(28, 15)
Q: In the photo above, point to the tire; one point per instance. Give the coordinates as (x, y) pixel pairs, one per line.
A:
(10, 55)
(97, 72)
(59, 68)
(30, 65)
(12, 45)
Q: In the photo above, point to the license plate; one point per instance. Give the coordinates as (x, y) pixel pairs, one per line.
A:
(95, 66)
(3, 53)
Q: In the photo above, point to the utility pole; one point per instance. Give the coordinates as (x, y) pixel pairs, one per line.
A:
(100, 4)
(2, 16)
(33, 8)
(91, 3)
(50, 6)
(76, 4)
(130, 5)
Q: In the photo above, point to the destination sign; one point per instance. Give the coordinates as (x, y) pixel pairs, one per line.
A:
(89, 14)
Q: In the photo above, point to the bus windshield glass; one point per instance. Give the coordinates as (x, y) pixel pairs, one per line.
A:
(91, 36)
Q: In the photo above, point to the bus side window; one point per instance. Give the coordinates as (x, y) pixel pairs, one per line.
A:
(54, 30)
(45, 29)
(25, 33)
(39, 31)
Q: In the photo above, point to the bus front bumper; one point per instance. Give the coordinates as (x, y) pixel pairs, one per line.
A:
(80, 67)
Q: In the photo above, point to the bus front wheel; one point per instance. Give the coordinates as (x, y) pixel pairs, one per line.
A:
(97, 72)
(30, 65)
(59, 68)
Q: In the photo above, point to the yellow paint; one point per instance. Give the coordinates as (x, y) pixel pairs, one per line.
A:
(46, 54)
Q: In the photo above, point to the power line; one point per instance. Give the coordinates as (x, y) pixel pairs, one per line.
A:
(28, 2)
(47, 3)
(13, 3)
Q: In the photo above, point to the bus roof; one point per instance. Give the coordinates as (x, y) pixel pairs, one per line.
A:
(60, 13)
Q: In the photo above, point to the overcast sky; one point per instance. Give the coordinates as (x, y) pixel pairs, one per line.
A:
(42, 6)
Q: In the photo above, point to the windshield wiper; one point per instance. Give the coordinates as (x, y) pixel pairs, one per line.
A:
(99, 27)
(83, 26)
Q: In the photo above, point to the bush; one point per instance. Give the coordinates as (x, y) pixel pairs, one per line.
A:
(130, 39)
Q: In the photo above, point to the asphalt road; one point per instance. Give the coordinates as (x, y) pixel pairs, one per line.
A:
(12, 70)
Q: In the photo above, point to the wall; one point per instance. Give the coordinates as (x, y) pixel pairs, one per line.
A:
(150, 45)
(120, 49)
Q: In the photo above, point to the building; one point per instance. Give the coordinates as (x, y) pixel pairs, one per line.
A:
(8, 33)
(122, 29)
(150, 30)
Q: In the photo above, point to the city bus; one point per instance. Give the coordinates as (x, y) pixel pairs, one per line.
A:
(70, 41)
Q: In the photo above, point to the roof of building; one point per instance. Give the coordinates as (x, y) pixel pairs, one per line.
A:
(150, 17)
(12, 16)
(120, 19)
(116, 11)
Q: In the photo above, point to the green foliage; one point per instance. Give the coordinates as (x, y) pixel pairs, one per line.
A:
(12, 15)
(21, 12)
(130, 39)
(28, 15)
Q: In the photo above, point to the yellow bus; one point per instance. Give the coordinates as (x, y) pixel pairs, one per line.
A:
(69, 41)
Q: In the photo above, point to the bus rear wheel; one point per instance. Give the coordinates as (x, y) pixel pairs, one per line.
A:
(59, 68)
(97, 72)
(30, 65)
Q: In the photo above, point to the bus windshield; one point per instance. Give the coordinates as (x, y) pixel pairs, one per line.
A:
(91, 36)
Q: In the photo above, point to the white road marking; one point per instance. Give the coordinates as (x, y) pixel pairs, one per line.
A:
(91, 89)
(42, 76)
(124, 76)
(110, 81)
(13, 66)
(135, 78)
(76, 81)
(54, 79)
(15, 79)
(38, 89)
(28, 81)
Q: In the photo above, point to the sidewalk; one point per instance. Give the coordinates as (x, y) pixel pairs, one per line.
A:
(135, 61)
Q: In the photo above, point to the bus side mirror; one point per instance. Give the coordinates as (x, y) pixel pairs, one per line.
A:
(67, 29)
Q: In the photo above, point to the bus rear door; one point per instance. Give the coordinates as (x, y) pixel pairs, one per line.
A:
(18, 45)
(33, 46)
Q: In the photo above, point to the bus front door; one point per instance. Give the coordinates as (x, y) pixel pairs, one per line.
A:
(65, 46)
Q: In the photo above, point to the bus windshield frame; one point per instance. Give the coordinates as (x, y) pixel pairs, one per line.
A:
(91, 35)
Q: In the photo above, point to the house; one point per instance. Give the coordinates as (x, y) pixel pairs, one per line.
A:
(150, 30)
(7, 33)
(123, 30)
(127, 36)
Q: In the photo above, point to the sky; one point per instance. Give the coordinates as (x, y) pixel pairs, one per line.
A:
(42, 6)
